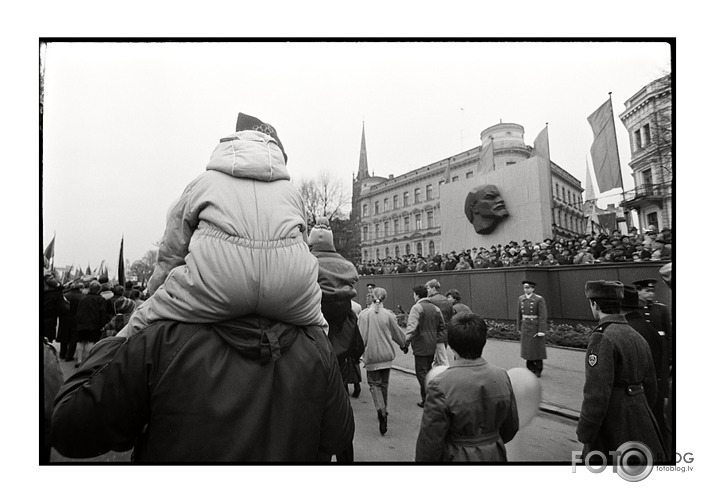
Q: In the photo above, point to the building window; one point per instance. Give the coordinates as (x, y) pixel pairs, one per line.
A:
(557, 191)
(563, 193)
(396, 223)
(417, 195)
(364, 210)
(407, 224)
(394, 202)
(455, 178)
(510, 163)
(647, 181)
(470, 174)
(405, 199)
(637, 139)
(430, 219)
(418, 221)
(646, 135)
(377, 207)
(364, 232)
(407, 249)
(429, 192)
(419, 248)
(364, 255)
(377, 254)
(652, 219)
(430, 248)
(387, 229)
(377, 231)
(387, 252)
(397, 252)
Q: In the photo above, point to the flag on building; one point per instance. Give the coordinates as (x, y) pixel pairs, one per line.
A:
(120, 269)
(486, 161)
(541, 145)
(604, 150)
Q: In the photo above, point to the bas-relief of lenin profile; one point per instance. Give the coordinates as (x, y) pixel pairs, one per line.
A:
(485, 208)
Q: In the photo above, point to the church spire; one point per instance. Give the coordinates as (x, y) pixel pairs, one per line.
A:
(362, 166)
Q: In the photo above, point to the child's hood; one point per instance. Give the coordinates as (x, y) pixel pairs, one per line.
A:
(249, 154)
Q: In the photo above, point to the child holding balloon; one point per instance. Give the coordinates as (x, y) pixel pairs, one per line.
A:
(473, 430)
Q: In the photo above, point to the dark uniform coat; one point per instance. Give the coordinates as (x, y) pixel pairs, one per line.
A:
(657, 314)
(620, 390)
(655, 342)
(470, 413)
(532, 348)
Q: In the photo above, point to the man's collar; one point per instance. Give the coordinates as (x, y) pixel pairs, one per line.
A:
(464, 362)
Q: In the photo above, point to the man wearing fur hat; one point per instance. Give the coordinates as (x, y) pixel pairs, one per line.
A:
(621, 385)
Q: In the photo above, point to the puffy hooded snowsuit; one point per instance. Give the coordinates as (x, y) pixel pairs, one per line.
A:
(234, 244)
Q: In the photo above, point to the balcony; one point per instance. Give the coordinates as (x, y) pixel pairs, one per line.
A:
(651, 193)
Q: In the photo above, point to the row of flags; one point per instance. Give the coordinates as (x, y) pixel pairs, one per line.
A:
(76, 273)
(604, 151)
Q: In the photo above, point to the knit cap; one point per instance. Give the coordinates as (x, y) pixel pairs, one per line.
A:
(248, 122)
(321, 237)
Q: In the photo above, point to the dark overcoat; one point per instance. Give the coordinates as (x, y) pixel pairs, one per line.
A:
(245, 391)
(658, 315)
(619, 391)
(532, 348)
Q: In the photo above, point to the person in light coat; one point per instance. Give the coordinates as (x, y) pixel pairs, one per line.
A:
(470, 409)
(378, 328)
(235, 241)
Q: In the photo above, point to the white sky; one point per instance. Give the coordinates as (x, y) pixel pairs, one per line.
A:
(128, 125)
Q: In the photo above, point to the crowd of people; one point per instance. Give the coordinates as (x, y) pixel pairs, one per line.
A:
(246, 343)
(592, 248)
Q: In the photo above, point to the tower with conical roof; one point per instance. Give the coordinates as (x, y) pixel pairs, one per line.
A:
(362, 165)
(362, 174)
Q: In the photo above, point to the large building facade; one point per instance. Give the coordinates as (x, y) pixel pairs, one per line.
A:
(648, 118)
(402, 215)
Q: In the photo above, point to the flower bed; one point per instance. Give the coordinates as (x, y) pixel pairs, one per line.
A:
(563, 335)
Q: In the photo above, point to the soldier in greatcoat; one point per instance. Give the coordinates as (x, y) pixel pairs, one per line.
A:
(656, 314)
(630, 308)
(620, 386)
(531, 323)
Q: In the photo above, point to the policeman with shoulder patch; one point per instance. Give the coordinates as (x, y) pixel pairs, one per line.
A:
(656, 314)
(621, 386)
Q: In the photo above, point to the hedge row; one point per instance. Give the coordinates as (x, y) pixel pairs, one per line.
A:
(557, 335)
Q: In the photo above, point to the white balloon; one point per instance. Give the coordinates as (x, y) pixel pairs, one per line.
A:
(527, 391)
(436, 370)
